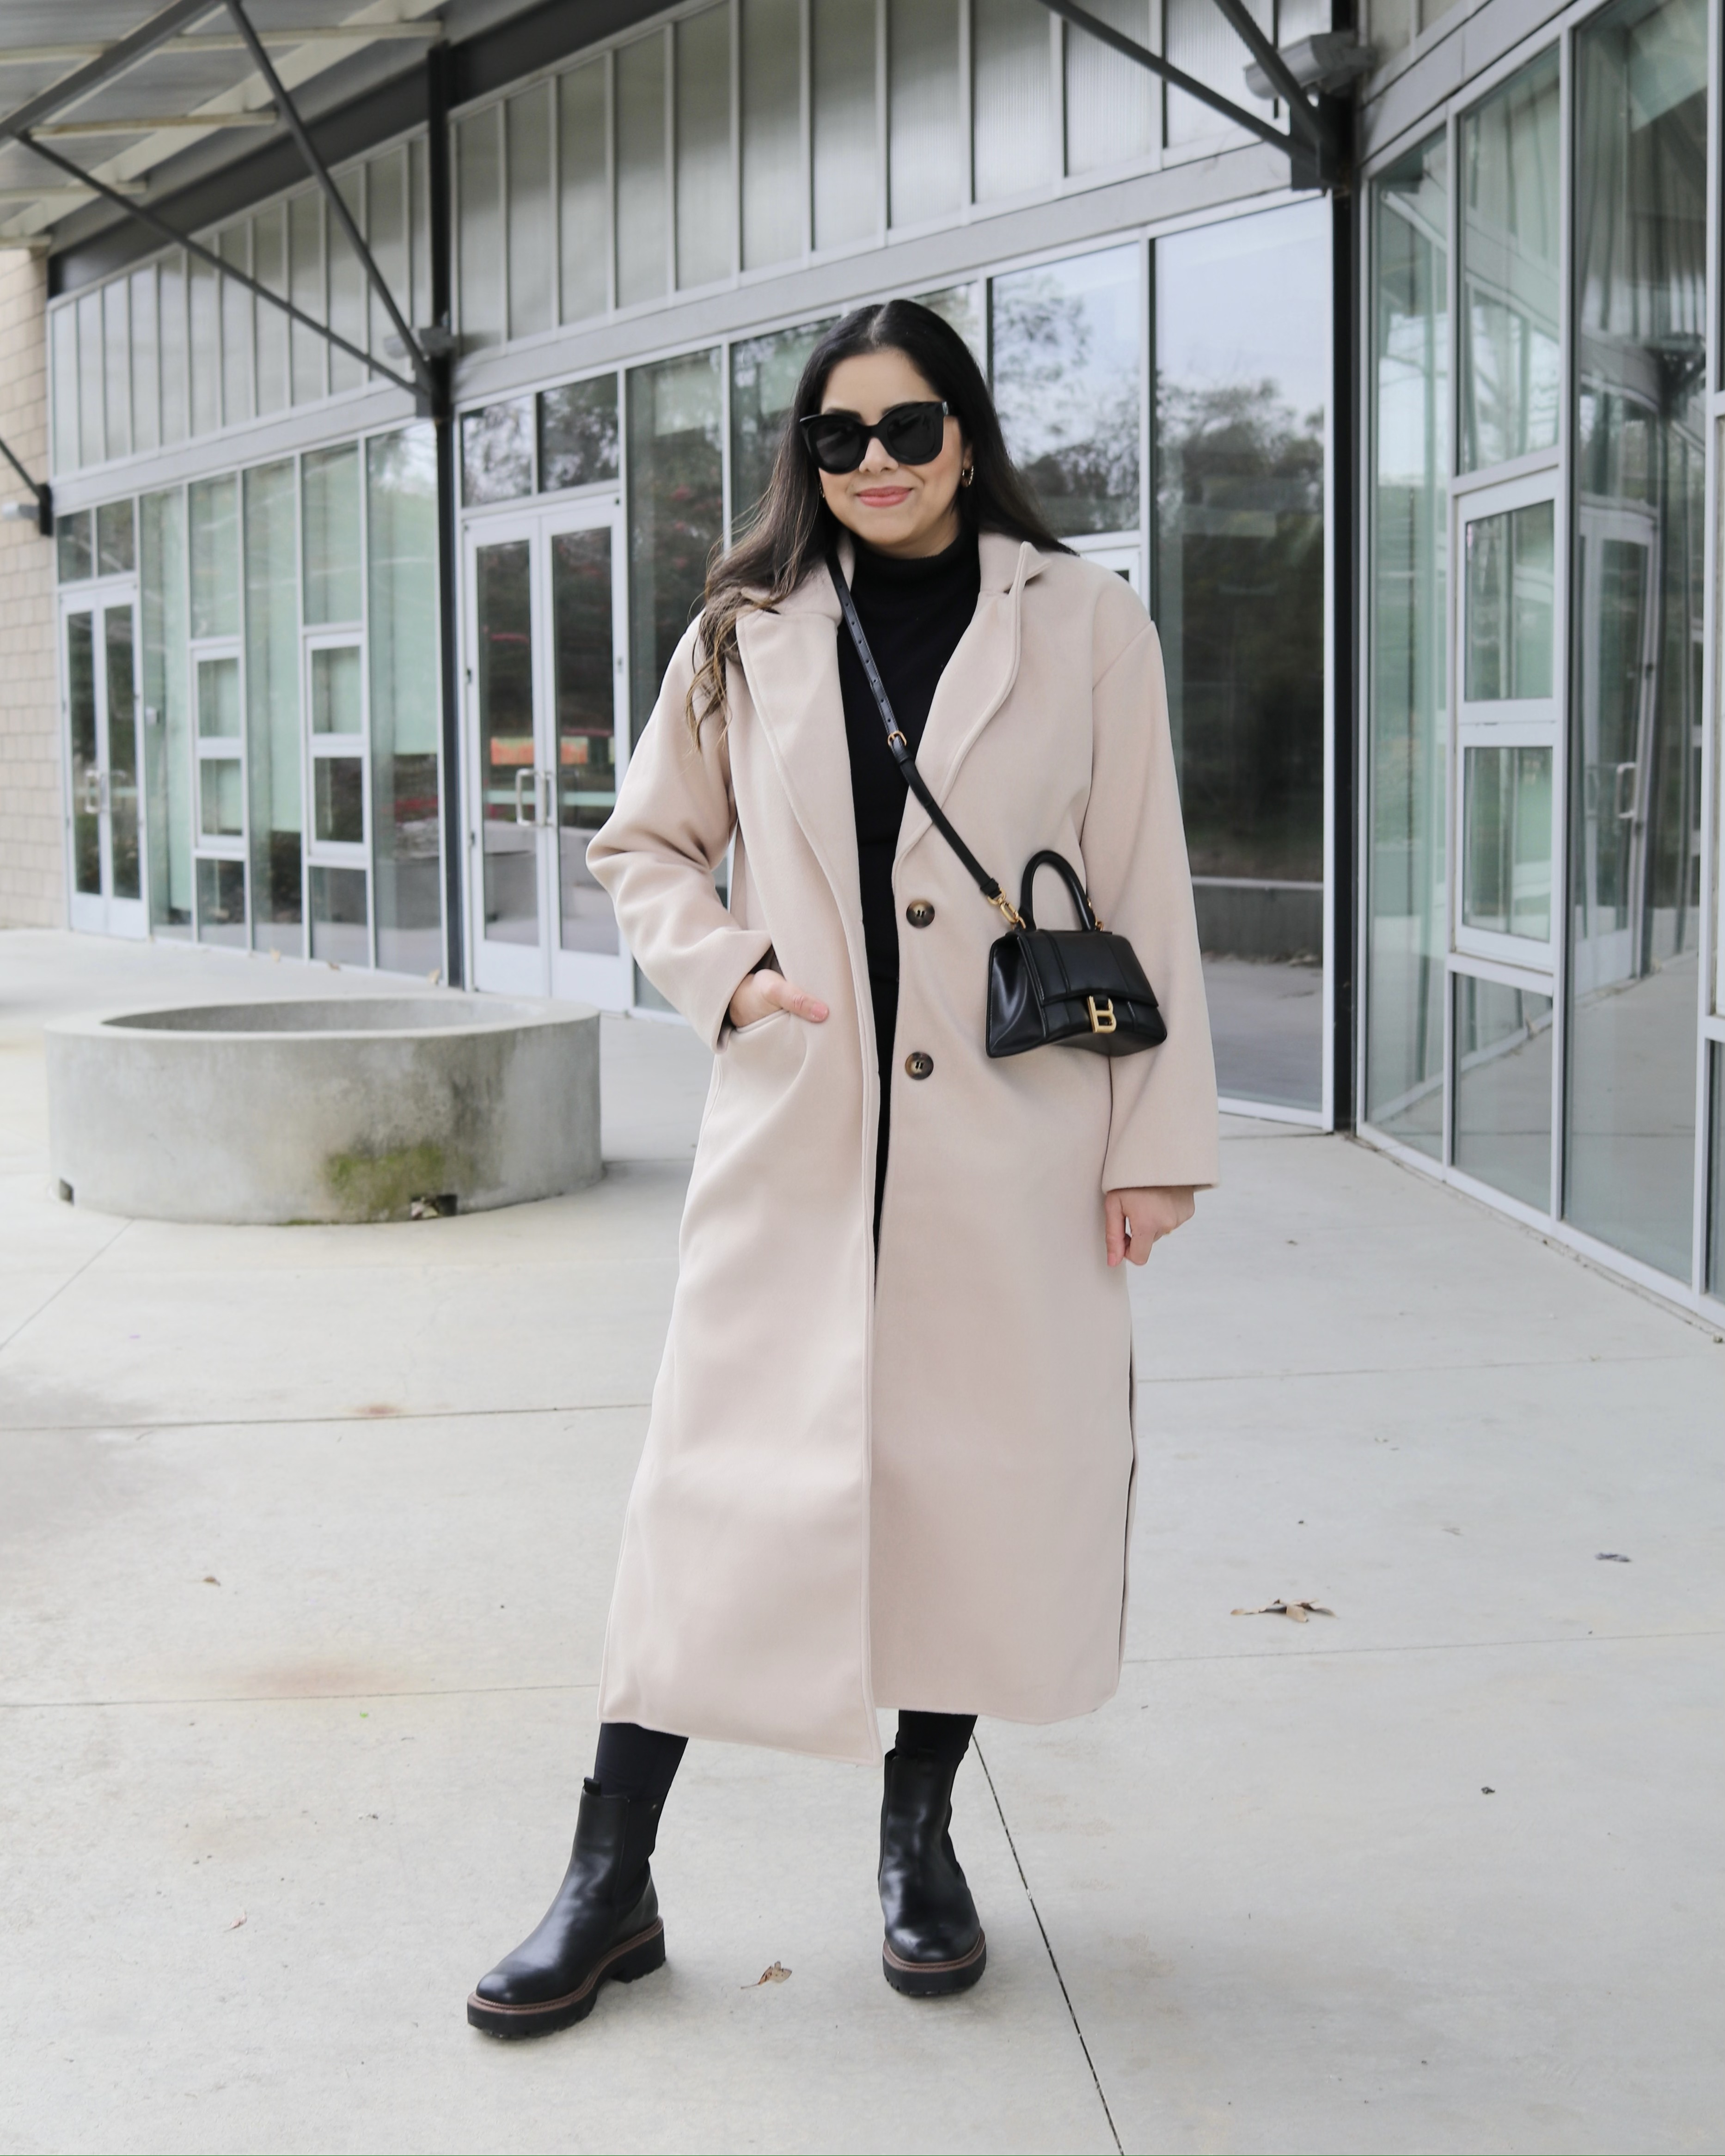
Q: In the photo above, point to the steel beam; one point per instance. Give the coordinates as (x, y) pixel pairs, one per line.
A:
(1301, 114)
(1177, 78)
(42, 492)
(256, 115)
(177, 239)
(428, 385)
(161, 26)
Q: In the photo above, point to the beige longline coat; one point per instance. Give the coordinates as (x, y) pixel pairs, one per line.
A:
(908, 1483)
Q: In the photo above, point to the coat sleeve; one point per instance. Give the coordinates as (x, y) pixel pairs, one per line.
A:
(657, 852)
(1162, 1129)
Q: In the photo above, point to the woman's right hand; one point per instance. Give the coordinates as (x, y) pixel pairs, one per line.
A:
(764, 993)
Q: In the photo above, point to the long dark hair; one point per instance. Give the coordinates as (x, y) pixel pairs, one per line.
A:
(791, 530)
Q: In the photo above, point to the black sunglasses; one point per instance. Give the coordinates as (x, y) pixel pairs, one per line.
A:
(909, 434)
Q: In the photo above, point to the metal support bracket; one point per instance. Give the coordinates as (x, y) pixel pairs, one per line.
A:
(40, 488)
(177, 239)
(429, 386)
(1313, 140)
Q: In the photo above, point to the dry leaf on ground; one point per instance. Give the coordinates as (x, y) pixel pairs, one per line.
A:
(238, 1922)
(1301, 1612)
(776, 1974)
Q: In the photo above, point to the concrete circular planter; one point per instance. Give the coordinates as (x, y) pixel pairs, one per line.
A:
(342, 1109)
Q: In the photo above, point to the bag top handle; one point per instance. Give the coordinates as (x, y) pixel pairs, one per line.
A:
(1087, 914)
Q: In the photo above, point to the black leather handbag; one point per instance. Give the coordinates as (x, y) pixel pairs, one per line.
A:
(1070, 987)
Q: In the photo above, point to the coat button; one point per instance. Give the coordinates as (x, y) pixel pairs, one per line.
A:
(918, 1064)
(920, 912)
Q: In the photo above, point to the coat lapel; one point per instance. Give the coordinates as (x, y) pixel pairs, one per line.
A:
(978, 677)
(790, 659)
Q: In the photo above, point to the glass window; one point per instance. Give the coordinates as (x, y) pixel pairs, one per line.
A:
(221, 900)
(168, 715)
(308, 351)
(503, 687)
(146, 376)
(586, 693)
(92, 422)
(675, 508)
(577, 434)
(402, 642)
(219, 715)
(772, 193)
(1510, 642)
(387, 236)
(119, 647)
(339, 811)
(1013, 97)
(497, 452)
(221, 797)
(642, 207)
(1068, 375)
(1510, 178)
(270, 329)
(1242, 332)
(348, 285)
(1110, 101)
(116, 348)
(63, 335)
(337, 695)
(206, 371)
(583, 179)
(332, 568)
(175, 367)
(86, 753)
(116, 554)
(340, 934)
(926, 165)
(1635, 755)
(479, 240)
(531, 258)
(1505, 884)
(705, 191)
(764, 374)
(215, 557)
(234, 246)
(1503, 1075)
(847, 157)
(74, 546)
(272, 690)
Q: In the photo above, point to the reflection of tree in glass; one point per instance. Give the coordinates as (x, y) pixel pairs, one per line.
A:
(1241, 596)
(676, 510)
(1069, 408)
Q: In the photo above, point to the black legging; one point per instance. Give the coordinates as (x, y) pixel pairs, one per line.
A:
(633, 1762)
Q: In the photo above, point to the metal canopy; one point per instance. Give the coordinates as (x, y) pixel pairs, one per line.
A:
(1314, 139)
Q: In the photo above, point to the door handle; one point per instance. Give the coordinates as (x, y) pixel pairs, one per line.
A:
(548, 791)
(1626, 811)
(92, 792)
(523, 773)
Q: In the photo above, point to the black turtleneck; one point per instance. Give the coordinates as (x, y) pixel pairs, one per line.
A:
(913, 613)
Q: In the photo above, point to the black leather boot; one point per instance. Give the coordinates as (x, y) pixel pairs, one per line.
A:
(604, 1922)
(934, 1943)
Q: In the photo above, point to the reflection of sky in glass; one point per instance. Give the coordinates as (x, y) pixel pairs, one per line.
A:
(1066, 382)
(1226, 294)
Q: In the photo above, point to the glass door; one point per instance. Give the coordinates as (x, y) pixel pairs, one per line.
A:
(546, 692)
(102, 716)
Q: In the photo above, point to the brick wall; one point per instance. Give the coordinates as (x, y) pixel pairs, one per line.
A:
(32, 882)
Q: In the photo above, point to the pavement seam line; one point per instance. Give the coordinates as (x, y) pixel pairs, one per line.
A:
(25, 1323)
(1047, 1946)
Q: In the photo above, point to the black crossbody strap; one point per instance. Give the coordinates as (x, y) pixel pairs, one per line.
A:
(901, 748)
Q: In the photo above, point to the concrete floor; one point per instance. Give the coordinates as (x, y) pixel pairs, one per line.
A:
(305, 1542)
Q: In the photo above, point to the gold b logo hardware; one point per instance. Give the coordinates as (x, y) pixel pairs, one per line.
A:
(1102, 1016)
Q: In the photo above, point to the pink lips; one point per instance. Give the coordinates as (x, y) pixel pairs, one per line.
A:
(885, 497)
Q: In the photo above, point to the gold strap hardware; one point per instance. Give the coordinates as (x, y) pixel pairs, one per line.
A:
(1014, 916)
(1102, 1019)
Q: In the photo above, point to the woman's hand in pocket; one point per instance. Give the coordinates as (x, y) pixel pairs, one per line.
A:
(764, 993)
(1138, 1219)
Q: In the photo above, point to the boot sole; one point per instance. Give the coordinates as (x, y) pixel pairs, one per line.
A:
(934, 1980)
(628, 1959)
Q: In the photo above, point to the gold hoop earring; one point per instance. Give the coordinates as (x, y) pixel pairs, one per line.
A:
(967, 476)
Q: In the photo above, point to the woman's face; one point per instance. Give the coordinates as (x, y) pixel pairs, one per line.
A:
(907, 509)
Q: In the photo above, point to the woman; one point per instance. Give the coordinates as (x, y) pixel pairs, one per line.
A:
(889, 1460)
